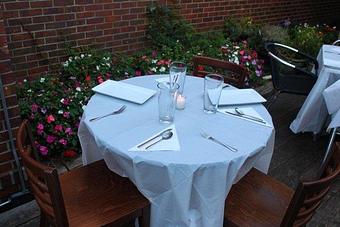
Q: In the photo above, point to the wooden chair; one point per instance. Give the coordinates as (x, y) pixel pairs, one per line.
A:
(233, 74)
(91, 195)
(259, 200)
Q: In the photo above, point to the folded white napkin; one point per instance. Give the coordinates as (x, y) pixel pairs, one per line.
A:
(171, 144)
(246, 110)
(240, 96)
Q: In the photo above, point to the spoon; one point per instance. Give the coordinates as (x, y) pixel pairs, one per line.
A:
(242, 114)
(164, 136)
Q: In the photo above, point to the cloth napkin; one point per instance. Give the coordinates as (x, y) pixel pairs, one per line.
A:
(247, 110)
(171, 144)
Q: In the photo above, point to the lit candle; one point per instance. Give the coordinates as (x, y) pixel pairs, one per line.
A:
(180, 102)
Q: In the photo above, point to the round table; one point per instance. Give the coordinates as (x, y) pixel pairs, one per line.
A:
(186, 187)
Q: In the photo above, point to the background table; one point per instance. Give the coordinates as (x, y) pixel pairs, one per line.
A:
(186, 187)
(313, 112)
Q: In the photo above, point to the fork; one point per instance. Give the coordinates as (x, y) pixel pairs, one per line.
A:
(209, 137)
(121, 109)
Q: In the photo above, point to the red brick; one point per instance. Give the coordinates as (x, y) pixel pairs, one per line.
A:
(16, 5)
(40, 4)
(30, 12)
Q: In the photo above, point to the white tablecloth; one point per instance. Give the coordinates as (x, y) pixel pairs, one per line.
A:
(313, 112)
(186, 187)
(332, 99)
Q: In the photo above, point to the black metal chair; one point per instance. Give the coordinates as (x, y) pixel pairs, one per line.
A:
(292, 70)
(336, 43)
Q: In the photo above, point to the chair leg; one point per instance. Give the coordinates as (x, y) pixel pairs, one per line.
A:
(43, 220)
(273, 98)
(144, 220)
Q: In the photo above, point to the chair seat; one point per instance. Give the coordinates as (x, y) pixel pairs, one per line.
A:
(257, 200)
(95, 196)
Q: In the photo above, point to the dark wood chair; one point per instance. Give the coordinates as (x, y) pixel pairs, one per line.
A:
(259, 200)
(91, 195)
(232, 73)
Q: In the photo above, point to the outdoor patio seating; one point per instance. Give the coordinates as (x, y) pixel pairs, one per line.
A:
(91, 195)
(232, 73)
(259, 200)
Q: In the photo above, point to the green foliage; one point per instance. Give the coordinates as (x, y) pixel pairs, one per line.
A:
(167, 27)
(306, 38)
(243, 30)
(275, 33)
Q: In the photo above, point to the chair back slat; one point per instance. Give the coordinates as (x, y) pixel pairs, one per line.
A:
(43, 179)
(232, 73)
(308, 195)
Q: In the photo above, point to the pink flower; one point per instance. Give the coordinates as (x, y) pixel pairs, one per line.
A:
(34, 108)
(50, 139)
(58, 128)
(40, 126)
(242, 52)
(63, 142)
(100, 79)
(50, 119)
(43, 150)
(66, 114)
(65, 101)
(138, 73)
(68, 131)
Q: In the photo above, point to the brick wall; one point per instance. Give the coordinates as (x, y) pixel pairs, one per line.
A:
(8, 178)
(38, 29)
(33, 33)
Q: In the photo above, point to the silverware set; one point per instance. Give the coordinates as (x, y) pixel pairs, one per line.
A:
(240, 113)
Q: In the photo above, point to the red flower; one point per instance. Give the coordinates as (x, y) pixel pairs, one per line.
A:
(200, 68)
(50, 119)
(69, 154)
(88, 77)
(58, 128)
(138, 73)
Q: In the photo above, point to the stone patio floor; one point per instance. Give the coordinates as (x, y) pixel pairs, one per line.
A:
(294, 156)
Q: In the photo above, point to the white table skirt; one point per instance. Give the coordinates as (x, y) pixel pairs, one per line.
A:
(313, 113)
(186, 187)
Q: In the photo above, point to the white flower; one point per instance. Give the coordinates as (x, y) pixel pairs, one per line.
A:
(82, 55)
(62, 100)
(97, 67)
(25, 80)
(90, 55)
(60, 112)
(154, 61)
(154, 69)
(247, 63)
(70, 59)
(108, 64)
(162, 69)
(78, 89)
(29, 90)
(42, 80)
(66, 64)
(235, 53)
(76, 57)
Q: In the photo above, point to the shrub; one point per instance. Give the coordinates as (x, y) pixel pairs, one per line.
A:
(54, 111)
(306, 38)
(167, 27)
